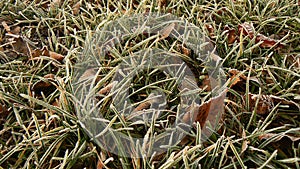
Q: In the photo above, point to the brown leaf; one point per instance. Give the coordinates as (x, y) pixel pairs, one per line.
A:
(44, 86)
(279, 137)
(167, 31)
(2, 109)
(162, 3)
(88, 74)
(184, 50)
(245, 142)
(55, 4)
(4, 112)
(267, 42)
(106, 89)
(235, 77)
(147, 104)
(231, 36)
(267, 102)
(16, 30)
(100, 164)
(199, 113)
(6, 27)
(206, 84)
(56, 56)
(49, 76)
(76, 8)
(246, 29)
(210, 30)
(45, 52)
(21, 46)
(36, 53)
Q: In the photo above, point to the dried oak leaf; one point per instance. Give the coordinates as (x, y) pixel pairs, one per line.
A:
(100, 164)
(4, 112)
(184, 50)
(208, 83)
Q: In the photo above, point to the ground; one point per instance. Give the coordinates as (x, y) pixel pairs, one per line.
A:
(256, 41)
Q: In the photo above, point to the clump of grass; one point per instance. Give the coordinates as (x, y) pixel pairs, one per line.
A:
(41, 130)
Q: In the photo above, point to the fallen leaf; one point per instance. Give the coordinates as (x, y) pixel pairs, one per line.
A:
(267, 102)
(167, 31)
(231, 36)
(45, 52)
(16, 30)
(44, 85)
(49, 76)
(36, 53)
(199, 113)
(162, 3)
(56, 56)
(100, 164)
(246, 29)
(106, 89)
(6, 27)
(76, 8)
(184, 50)
(267, 42)
(237, 77)
(55, 4)
(267, 136)
(245, 142)
(19, 45)
(206, 83)
(88, 75)
(210, 30)
(147, 104)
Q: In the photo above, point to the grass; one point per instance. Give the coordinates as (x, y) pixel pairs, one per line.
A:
(39, 125)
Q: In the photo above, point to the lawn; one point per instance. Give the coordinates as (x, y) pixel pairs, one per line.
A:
(247, 114)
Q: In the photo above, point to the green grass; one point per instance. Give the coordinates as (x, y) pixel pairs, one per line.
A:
(36, 132)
